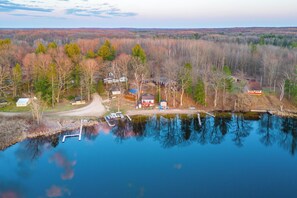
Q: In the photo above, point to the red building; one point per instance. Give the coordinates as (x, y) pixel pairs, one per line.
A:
(147, 100)
(253, 88)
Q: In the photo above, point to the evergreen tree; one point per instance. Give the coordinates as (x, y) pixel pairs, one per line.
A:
(40, 49)
(199, 92)
(185, 80)
(228, 80)
(43, 87)
(139, 53)
(52, 45)
(72, 50)
(100, 87)
(91, 54)
(107, 51)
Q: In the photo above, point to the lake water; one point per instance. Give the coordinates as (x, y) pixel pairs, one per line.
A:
(227, 156)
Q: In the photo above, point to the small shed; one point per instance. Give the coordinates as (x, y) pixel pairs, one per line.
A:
(253, 87)
(147, 100)
(23, 102)
(113, 92)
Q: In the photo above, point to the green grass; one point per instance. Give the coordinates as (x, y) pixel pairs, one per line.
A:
(13, 108)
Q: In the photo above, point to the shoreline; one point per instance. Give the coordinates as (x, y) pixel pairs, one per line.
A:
(284, 113)
(53, 126)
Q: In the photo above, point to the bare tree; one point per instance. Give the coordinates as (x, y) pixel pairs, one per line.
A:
(37, 107)
(89, 68)
(64, 67)
(215, 81)
(140, 72)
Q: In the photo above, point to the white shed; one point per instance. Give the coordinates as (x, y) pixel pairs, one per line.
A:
(23, 102)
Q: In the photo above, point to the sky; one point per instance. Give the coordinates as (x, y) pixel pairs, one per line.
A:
(147, 13)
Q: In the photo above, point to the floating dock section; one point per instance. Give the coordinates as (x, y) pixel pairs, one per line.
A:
(210, 114)
(109, 124)
(199, 120)
(129, 117)
(74, 135)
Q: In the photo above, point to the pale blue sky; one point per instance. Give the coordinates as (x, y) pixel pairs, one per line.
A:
(146, 13)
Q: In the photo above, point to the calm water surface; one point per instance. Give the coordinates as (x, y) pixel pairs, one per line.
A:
(159, 157)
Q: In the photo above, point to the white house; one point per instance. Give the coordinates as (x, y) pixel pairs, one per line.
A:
(23, 102)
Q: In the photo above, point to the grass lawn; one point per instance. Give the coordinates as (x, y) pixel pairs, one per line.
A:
(13, 108)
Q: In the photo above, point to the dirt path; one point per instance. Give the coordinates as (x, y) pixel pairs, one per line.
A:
(11, 114)
(95, 108)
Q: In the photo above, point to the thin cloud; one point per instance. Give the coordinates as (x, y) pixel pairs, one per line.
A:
(8, 6)
(103, 11)
(65, 8)
(35, 16)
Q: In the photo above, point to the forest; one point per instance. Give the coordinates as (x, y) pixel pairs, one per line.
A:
(199, 64)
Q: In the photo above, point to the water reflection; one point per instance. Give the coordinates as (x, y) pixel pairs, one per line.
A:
(61, 160)
(11, 189)
(179, 130)
(288, 136)
(182, 130)
(57, 191)
(241, 129)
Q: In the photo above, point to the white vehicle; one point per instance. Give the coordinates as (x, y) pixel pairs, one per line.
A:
(123, 79)
(108, 80)
(115, 80)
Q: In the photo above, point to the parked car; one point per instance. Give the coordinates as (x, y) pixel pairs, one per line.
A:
(115, 80)
(123, 79)
(108, 80)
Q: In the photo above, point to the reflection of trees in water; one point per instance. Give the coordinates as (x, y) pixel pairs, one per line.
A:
(219, 129)
(124, 129)
(91, 133)
(30, 150)
(177, 130)
(183, 130)
(35, 147)
(241, 129)
(267, 132)
(288, 134)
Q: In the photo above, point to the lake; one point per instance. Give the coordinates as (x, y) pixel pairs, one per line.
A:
(172, 156)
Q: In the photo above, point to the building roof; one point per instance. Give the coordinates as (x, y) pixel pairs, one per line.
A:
(254, 85)
(23, 100)
(133, 91)
(148, 97)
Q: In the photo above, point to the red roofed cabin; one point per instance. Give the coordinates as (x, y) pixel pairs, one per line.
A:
(253, 88)
(147, 100)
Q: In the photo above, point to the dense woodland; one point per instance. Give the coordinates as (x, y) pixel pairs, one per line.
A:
(57, 64)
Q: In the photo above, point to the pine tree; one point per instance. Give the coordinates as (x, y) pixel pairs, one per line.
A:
(199, 92)
(139, 53)
(107, 51)
(40, 49)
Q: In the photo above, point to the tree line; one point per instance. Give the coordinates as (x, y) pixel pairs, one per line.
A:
(196, 68)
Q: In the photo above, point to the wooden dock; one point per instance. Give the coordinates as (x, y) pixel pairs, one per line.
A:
(74, 135)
